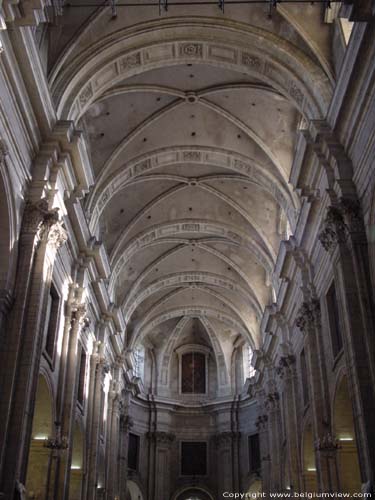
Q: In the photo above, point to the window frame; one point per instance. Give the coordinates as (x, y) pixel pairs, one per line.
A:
(207, 457)
(52, 323)
(191, 348)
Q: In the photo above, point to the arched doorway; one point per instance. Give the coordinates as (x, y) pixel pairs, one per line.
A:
(134, 491)
(347, 459)
(77, 465)
(193, 494)
(255, 487)
(39, 456)
(310, 480)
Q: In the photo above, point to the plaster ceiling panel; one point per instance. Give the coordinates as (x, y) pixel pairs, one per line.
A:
(140, 261)
(254, 201)
(190, 77)
(193, 333)
(192, 259)
(224, 332)
(270, 115)
(140, 312)
(160, 333)
(193, 125)
(192, 203)
(255, 273)
(192, 297)
(125, 206)
(75, 20)
(109, 121)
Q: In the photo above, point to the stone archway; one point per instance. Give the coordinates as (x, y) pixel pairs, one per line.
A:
(193, 494)
(347, 458)
(39, 460)
(134, 491)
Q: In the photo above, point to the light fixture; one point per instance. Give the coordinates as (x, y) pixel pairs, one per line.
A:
(346, 439)
(40, 437)
(311, 469)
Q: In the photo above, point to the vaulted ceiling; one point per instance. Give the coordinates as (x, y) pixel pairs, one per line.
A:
(192, 124)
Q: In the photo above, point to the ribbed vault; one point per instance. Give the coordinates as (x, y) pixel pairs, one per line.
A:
(192, 125)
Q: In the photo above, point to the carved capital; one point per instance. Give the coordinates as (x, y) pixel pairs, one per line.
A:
(161, 437)
(38, 219)
(79, 316)
(286, 367)
(3, 151)
(334, 229)
(272, 401)
(126, 423)
(261, 423)
(341, 221)
(225, 438)
(57, 235)
(6, 301)
(308, 315)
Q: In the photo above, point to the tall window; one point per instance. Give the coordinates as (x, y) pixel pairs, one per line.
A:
(305, 389)
(254, 453)
(133, 451)
(193, 373)
(139, 361)
(248, 369)
(82, 377)
(51, 321)
(334, 321)
(193, 458)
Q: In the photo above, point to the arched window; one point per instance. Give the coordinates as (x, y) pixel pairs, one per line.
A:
(139, 361)
(193, 361)
(248, 369)
(193, 373)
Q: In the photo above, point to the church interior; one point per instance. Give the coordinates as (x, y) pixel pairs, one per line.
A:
(187, 235)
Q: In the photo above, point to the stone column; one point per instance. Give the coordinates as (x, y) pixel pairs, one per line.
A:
(226, 445)
(126, 423)
(94, 359)
(286, 370)
(77, 322)
(162, 443)
(93, 452)
(309, 322)
(6, 302)
(112, 490)
(265, 457)
(272, 406)
(41, 235)
(343, 236)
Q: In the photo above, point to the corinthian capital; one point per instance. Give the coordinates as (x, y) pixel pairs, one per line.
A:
(308, 315)
(57, 235)
(341, 220)
(334, 229)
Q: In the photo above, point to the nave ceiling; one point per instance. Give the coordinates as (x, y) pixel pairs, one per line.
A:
(192, 125)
